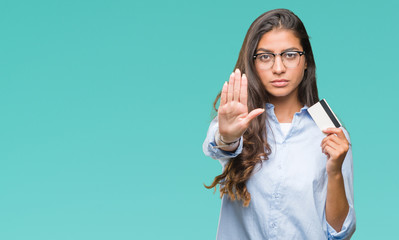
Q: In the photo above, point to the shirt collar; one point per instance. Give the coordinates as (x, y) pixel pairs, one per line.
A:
(270, 108)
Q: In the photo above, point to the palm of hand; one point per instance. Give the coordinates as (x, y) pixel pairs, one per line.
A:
(232, 119)
(233, 114)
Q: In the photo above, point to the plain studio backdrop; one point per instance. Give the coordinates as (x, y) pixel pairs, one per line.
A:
(105, 104)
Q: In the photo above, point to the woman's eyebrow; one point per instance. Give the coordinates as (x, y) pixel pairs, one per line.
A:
(270, 51)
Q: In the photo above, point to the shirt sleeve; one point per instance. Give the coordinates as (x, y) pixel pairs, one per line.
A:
(349, 226)
(209, 144)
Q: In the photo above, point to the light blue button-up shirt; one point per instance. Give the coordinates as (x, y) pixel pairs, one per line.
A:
(288, 191)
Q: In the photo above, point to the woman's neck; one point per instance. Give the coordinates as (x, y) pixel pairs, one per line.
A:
(286, 107)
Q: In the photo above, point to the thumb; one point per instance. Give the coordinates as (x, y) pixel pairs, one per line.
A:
(254, 113)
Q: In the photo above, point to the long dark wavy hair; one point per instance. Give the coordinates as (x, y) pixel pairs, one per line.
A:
(255, 147)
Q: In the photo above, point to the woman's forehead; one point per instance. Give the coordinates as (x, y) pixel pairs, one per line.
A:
(278, 40)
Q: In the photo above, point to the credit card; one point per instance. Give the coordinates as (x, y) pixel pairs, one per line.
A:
(323, 116)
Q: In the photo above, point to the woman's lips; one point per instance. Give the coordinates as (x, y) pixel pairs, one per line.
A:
(280, 83)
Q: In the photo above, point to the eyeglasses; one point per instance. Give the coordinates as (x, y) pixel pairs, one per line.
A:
(290, 59)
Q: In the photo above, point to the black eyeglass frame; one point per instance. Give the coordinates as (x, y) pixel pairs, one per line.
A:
(281, 54)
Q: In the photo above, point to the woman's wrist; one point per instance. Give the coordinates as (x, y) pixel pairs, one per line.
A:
(225, 145)
(334, 174)
(227, 142)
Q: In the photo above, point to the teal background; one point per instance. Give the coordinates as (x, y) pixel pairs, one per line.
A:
(105, 104)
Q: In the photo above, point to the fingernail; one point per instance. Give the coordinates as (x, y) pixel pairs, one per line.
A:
(237, 70)
(244, 75)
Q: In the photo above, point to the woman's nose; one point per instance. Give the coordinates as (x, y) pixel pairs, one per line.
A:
(278, 65)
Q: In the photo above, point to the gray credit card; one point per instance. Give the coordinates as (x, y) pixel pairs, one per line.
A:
(323, 116)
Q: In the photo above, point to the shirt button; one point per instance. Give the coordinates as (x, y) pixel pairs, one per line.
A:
(276, 195)
(274, 225)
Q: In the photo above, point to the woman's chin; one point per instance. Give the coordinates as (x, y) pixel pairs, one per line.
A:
(280, 93)
(283, 92)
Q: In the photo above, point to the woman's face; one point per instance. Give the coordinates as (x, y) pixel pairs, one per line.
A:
(280, 81)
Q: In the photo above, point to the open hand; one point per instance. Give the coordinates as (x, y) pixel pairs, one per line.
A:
(233, 115)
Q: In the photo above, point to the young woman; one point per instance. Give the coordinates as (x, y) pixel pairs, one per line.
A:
(282, 177)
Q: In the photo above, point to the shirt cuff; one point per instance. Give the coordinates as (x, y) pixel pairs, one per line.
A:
(347, 230)
(219, 153)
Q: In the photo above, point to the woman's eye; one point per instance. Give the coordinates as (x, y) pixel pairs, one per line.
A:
(265, 57)
(290, 55)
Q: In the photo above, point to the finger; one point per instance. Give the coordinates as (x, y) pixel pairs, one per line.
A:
(223, 97)
(328, 150)
(230, 88)
(338, 131)
(332, 137)
(331, 145)
(335, 139)
(244, 90)
(332, 153)
(237, 83)
(254, 113)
